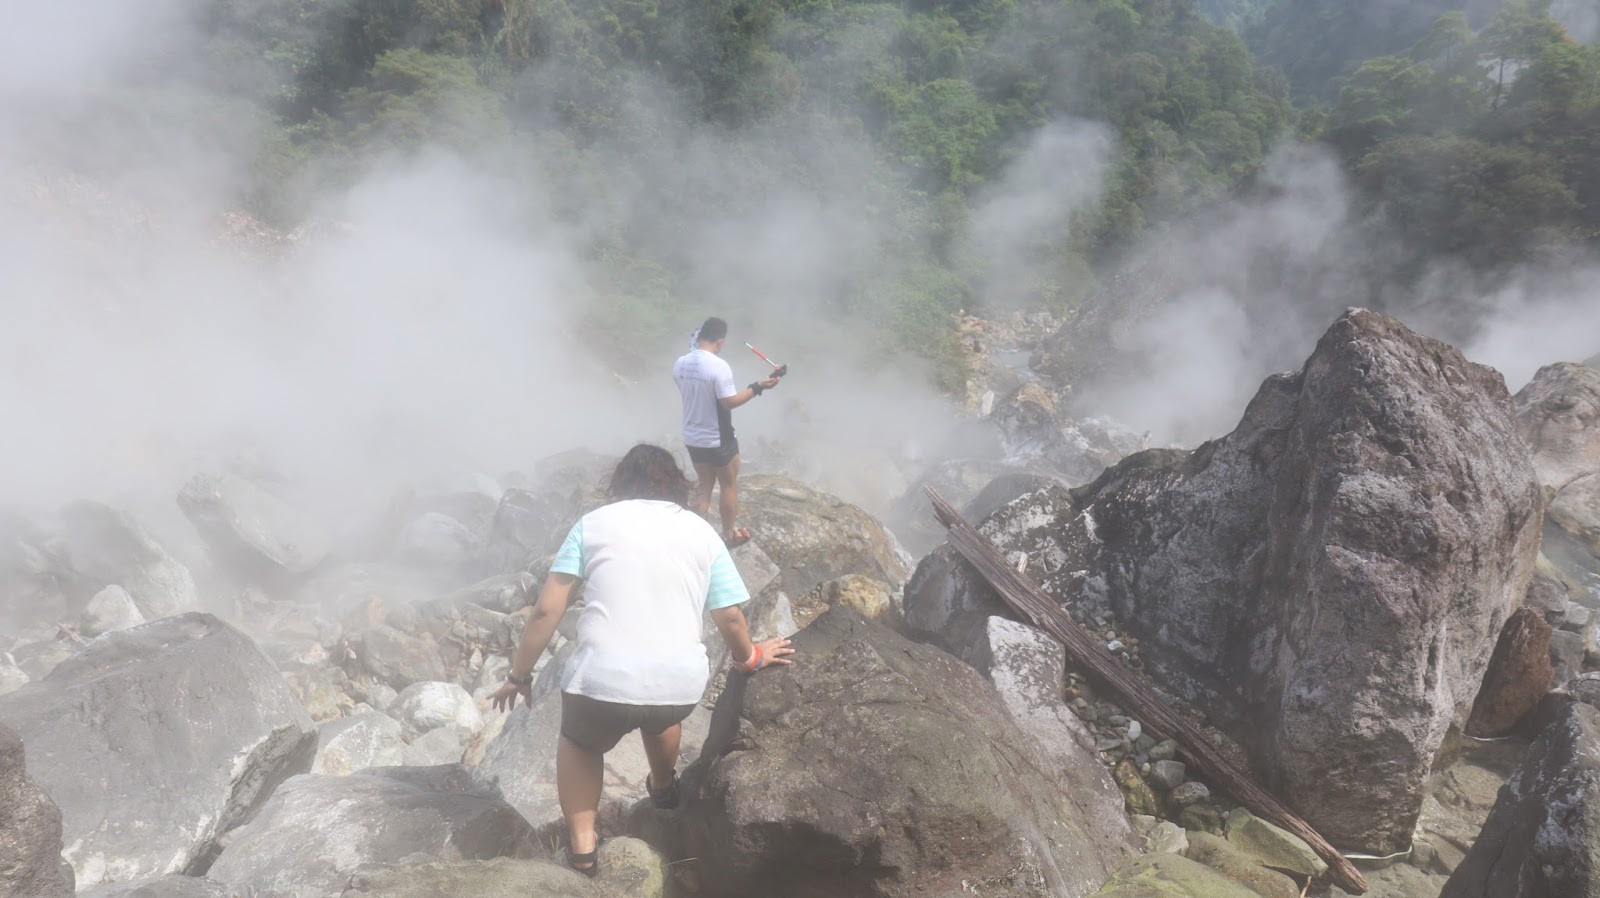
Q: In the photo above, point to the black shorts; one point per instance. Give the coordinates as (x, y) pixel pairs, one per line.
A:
(720, 457)
(599, 726)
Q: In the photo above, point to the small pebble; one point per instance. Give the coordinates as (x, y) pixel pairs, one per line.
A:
(1114, 645)
(1117, 720)
(1135, 730)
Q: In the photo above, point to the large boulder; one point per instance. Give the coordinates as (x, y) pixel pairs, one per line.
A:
(814, 537)
(498, 878)
(1326, 582)
(30, 831)
(879, 767)
(163, 887)
(354, 743)
(256, 533)
(158, 740)
(1558, 413)
(1172, 876)
(1035, 428)
(38, 584)
(1543, 836)
(110, 547)
(318, 830)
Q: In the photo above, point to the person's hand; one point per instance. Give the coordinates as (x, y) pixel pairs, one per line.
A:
(505, 698)
(769, 383)
(770, 652)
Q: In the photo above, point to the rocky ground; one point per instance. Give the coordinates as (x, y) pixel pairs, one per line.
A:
(1347, 591)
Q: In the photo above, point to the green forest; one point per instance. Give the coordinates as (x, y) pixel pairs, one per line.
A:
(1474, 131)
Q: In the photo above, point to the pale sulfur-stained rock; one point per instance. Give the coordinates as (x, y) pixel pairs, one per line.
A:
(356, 743)
(110, 609)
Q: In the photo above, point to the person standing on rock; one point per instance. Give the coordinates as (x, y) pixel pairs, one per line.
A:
(705, 381)
(651, 570)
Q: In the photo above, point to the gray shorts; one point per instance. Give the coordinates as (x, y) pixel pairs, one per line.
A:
(599, 726)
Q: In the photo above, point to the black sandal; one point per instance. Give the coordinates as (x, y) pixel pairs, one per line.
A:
(665, 798)
(592, 858)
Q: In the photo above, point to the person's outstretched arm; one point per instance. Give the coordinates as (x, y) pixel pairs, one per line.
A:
(536, 635)
(748, 655)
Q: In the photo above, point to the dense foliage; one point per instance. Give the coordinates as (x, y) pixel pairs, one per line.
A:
(1470, 129)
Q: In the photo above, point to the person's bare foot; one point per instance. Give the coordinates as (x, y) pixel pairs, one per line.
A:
(737, 538)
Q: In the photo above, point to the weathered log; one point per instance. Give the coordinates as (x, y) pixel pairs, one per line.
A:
(1028, 600)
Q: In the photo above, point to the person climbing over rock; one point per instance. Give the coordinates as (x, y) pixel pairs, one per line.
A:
(705, 382)
(651, 570)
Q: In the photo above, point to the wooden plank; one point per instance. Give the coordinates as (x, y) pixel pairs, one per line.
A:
(1028, 600)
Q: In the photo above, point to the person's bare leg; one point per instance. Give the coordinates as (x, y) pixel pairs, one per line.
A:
(579, 773)
(728, 503)
(701, 502)
(662, 750)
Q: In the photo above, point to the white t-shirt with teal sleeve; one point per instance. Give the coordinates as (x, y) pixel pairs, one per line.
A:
(651, 570)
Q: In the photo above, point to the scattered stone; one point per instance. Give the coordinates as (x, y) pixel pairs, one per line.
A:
(424, 707)
(1185, 794)
(1171, 876)
(30, 831)
(110, 609)
(356, 743)
(156, 741)
(316, 831)
(1201, 817)
(436, 540)
(1271, 845)
(1168, 838)
(1135, 730)
(1566, 655)
(1163, 751)
(1543, 836)
(1577, 617)
(1518, 676)
(1135, 792)
(434, 748)
(1167, 775)
(1222, 857)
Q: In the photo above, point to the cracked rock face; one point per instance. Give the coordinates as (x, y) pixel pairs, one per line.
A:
(880, 767)
(1326, 582)
(155, 741)
(1543, 836)
(30, 831)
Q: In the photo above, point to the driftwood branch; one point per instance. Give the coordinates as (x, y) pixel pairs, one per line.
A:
(1028, 600)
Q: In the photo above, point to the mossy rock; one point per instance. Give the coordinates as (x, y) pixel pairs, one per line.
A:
(1171, 876)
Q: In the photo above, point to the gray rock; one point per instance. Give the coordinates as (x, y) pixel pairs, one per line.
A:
(12, 677)
(883, 767)
(1222, 857)
(397, 658)
(30, 831)
(1334, 572)
(110, 609)
(318, 830)
(632, 868)
(112, 548)
(1543, 836)
(523, 529)
(1032, 426)
(1185, 794)
(1167, 838)
(1271, 845)
(425, 707)
(1167, 775)
(358, 742)
(498, 878)
(1171, 876)
(433, 748)
(1577, 617)
(256, 533)
(814, 537)
(156, 741)
(505, 593)
(1027, 668)
(961, 482)
(1558, 413)
(38, 584)
(162, 887)
(436, 540)
(1566, 655)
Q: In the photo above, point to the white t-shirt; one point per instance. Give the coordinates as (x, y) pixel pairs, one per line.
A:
(703, 378)
(652, 569)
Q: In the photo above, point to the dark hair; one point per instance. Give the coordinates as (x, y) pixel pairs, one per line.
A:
(713, 330)
(649, 472)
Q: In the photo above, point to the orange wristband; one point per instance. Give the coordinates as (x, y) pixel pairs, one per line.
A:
(755, 662)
